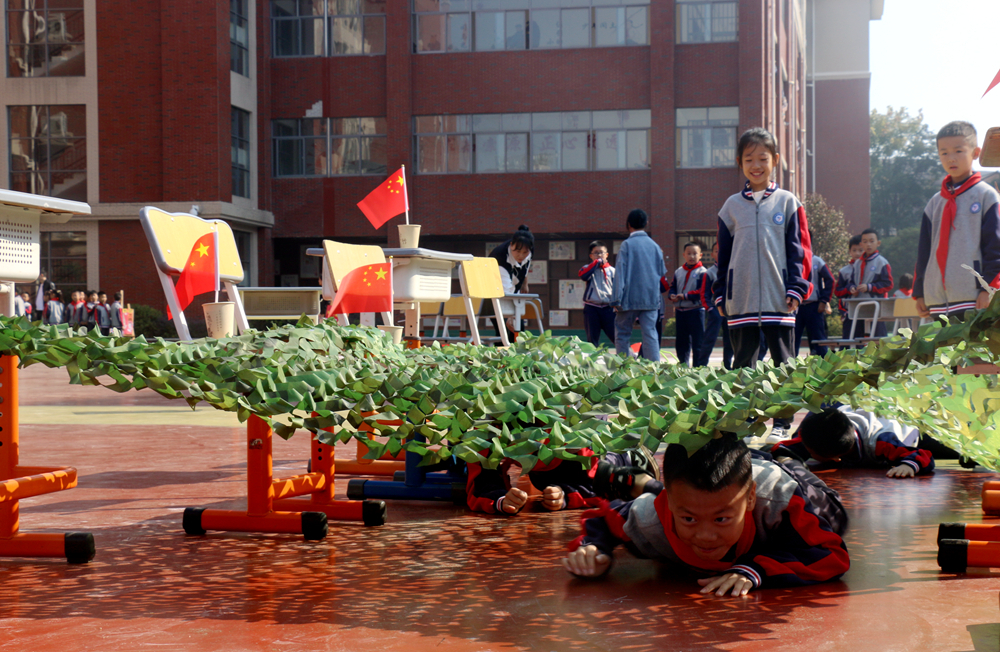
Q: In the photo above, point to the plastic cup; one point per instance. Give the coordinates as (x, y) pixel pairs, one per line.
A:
(220, 318)
(395, 331)
(409, 236)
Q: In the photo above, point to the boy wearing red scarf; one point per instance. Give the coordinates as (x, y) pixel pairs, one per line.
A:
(688, 291)
(960, 226)
(735, 517)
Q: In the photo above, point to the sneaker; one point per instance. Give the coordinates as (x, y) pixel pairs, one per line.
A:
(642, 459)
(612, 481)
(777, 434)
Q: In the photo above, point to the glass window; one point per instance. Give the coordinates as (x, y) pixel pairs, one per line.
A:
(45, 39)
(432, 153)
(706, 137)
(63, 255)
(241, 152)
(488, 122)
(576, 28)
(609, 26)
(239, 38)
(638, 149)
(298, 28)
(575, 150)
(346, 36)
(543, 30)
(706, 22)
(490, 30)
(300, 147)
(350, 27)
(490, 152)
(329, 146)
(517, 152)
(610, 150)
(636, 26)
(459, 33)
(48, 150)
(546, 121)
(460, 153)
(545, 151)
(430, 33)
(516, 29)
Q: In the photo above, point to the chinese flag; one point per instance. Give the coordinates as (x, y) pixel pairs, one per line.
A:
(198, 275)
(387, 201)
(365, 289)
(996, 80)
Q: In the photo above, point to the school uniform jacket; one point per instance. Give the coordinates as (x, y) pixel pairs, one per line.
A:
(690, 281)
(485, 488)
(764, 257)
(879, 444)
(822, 282)
(842, 286)
(974, 241)
(873, 270)
(600, 279)
(53, 312)
(711, 274)
(792, 539)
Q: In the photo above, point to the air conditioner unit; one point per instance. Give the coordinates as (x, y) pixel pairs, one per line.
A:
(57, 29)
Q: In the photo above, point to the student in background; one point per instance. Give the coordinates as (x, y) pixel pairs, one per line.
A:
(637, 287)
(599, 275)
(54, 309)
(871, 276)
(687, 291)
(842, 285)
(514, 258)
(905, 289)
(116, 312)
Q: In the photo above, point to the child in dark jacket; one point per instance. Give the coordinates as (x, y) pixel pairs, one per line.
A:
(856, 439)
(736, 517)
(599, 275)
(687, 290)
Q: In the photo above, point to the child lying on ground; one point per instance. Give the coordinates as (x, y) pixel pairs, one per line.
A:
(856, 439)
(735, 516)
(564, 485)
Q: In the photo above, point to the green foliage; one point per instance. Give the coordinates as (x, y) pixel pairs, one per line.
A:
(905, 171)
(152, 323)
(829, 232)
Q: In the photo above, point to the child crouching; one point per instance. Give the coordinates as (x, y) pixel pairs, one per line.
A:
(735, 516)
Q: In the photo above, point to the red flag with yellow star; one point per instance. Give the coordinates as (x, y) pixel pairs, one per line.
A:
(198, 275)
(387, 201)
(365, 289)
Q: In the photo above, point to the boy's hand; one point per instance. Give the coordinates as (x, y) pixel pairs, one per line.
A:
(983, 300)
(792, 303)
(514, 500)
(553, 498)
(823, 308)
(922, 307)
(739, 584)
(853, 290)
(901, 471)
(587, 561)
(722, 312)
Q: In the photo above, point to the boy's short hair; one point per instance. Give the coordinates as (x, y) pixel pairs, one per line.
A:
(718, 464)
(869, 231)
(694, 243)
(829, 434)
(637, 219)
(594, 245)
(118, 296)
(854, 241)
(906, 281)
(959, 128)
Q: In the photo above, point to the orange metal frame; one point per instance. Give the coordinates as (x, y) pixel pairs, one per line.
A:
(386, 465)
(17, 482)
(301, 504)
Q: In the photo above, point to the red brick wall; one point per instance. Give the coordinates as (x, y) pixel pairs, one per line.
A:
(843, 166)
(126, 264)
(707, 75)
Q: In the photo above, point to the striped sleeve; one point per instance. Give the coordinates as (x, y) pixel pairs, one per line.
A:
(485, 489)
(888, 449)
(989, 246)
(798, 256)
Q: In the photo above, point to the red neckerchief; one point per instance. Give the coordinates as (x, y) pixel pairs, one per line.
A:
(686, 553)
(948, 217)
(689, 269)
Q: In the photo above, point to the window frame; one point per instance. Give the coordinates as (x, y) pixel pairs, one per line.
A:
(328, 137)
(710, 22)
(47, 43)
(238, 138)
(236, 47)
(327, 16)
(43, 136)
(709, 155)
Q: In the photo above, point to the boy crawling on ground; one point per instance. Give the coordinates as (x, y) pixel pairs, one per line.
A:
(856, 439)
(734, 516)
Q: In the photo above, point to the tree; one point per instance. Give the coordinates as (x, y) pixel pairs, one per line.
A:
(905, 172)
(829, 233)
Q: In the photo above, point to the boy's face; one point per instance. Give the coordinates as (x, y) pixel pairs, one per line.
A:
(599, 253)
(957, 155)
(856, 251)
(25, 296)
(870, 243)
(92, 298)
(715, 252)
(692, 255)
(103, 298)
(710, 522)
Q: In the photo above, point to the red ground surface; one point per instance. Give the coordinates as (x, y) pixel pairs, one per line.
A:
(436, 576)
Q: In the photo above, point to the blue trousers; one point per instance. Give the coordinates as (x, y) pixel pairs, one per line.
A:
(597, 320)
(690, 334)
(624, 320)
(713, 324)
(809, 318)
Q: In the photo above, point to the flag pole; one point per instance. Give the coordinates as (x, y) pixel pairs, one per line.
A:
(215, 246)
(406, 197)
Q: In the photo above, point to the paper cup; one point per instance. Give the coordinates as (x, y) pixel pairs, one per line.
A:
(395, 331)
(220, 318)
(409, 236)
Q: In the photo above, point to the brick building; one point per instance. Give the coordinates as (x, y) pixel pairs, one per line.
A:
(280, 115)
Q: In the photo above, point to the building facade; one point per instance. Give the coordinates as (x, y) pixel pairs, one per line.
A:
(280, 115)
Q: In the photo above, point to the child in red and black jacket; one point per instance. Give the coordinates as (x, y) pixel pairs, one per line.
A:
(856, 439)
(734, 516)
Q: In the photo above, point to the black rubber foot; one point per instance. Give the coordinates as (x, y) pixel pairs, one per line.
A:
(356, 489)
(458, 494)
(314, 526)
(192, 521)
(399, 476)
(373, 512)
(79, 547)
(953, 555)
(950, 531)
(309, 466)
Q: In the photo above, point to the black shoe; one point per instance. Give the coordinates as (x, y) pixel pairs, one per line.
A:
(642, 459)
(612, 481)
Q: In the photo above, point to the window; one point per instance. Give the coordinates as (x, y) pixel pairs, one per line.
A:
(48, 150)
(241, 153)
(239, 38)
(64, 256)
(535, 142)
(315, 28)
(317, 147)
(706, 22)
(706, 138)
(245, 248)
(485, 25)
(45, 38)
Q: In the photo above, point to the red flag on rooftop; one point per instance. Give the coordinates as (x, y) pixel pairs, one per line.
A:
(198, 275)
(365, 289)
(387, 201)
(996, 80)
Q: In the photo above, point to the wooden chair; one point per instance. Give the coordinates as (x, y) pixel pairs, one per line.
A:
(480, 278)
(453, 309)
(339, 259)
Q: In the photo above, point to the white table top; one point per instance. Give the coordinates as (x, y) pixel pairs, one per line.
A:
(419, 252)
(52, 210)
